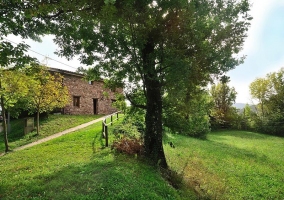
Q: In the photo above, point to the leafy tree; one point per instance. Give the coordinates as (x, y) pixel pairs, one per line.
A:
(259, 90)
(13, 21)
(276, 91)
(46, 93)
(223, 98)
(270, 93)
(13, 87)
(150, 46)
(188, 114)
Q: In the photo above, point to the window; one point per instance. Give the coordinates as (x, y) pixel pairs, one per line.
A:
(76, 101)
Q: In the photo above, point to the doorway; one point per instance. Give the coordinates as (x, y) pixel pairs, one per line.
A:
(95, 104)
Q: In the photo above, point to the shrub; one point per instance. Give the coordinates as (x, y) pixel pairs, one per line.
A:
(128, 136)
(128, 145)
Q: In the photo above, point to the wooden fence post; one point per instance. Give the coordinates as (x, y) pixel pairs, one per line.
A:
(106, 134)
(103, 129)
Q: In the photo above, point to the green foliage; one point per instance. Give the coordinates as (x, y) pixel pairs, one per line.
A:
(149, 47)
(129, 133)
(119, 102)
(188, 115)
(269, 92)
(222, 114)
(46, 92)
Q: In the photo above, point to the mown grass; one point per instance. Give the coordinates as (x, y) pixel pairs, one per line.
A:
(48, 126)
(74, 167)
(230, 164)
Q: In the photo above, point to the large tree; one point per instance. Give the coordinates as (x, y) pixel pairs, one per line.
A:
(150, 46)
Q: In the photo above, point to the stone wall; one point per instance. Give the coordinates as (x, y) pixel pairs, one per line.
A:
(93, 97)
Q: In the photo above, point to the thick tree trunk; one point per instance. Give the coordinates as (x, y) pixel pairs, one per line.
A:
(154, 134)
(153, 138)
(4, 125)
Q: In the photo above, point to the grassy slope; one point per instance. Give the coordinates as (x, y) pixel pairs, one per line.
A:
(48, 126)
(230, 164)
(67, 168)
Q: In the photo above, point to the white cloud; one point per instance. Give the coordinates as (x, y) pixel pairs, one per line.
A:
(44, 52)
(259, 11)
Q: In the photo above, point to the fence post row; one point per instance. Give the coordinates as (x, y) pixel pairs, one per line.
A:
(105, 126)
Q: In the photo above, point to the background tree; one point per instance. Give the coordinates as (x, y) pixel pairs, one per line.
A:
(270, 93)
(13, 87)
(223, 97)
(259, 90)
(46, 93)
(187, 114)
(150, 46)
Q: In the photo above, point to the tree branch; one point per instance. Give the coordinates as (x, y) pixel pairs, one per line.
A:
(128, 97)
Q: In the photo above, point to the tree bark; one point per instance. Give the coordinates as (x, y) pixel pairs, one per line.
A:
(4, 125)
(153, 139)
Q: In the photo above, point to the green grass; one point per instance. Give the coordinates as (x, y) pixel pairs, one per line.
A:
(227, 165)
(48, 126)
(230, 164)
(70, 167)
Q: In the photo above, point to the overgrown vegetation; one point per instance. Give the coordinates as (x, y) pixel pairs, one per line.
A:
(129, 135)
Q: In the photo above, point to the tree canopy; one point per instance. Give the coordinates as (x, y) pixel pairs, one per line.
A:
(148, 46)
(223, 97)
(269, 92)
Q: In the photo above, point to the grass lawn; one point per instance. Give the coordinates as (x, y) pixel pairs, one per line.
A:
(48, 126)
(230, 164)
(227, 165)
(70, 167)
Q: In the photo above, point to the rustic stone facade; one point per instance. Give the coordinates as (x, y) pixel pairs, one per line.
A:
(86, 97)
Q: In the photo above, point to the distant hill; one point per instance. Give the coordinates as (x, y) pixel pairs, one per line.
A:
(240, 105)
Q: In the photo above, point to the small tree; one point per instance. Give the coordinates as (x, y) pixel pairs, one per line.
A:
(13, 87)
(46, 93)
(223, 98)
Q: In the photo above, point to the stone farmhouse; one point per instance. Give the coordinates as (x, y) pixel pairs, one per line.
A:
(86, 97)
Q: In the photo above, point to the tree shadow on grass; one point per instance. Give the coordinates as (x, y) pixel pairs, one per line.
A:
(107, 177)
(241, 134)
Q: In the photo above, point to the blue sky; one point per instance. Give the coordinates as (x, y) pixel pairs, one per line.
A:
(263, 48)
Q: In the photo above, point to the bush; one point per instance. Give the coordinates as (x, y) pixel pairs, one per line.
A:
(130, 146)
(195, 126)
(129, 136)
